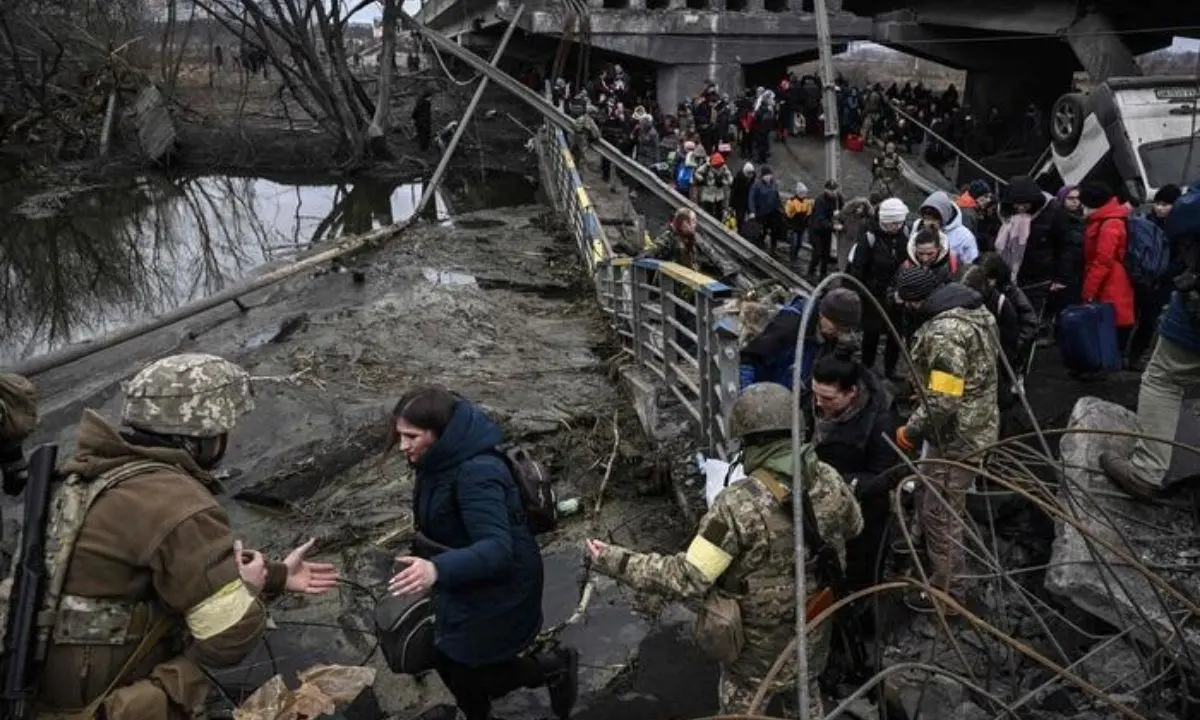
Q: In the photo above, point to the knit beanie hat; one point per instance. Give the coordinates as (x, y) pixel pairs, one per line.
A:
(801, 189)
(842, 306)
(748, 168)
(1094, 194)
(1167, 194)
(978, 188)
(914, 284)
(893, 210)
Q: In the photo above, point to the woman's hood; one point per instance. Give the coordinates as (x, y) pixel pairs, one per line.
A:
(943, 245)
(470, 432)
(946, 209)
(1023, 189)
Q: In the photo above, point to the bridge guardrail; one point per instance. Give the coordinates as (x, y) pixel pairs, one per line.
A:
(666, 315)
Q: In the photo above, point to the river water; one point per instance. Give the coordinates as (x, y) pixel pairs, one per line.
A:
(80, 261)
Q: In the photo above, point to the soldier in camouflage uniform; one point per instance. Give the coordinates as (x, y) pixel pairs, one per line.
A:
(584, 134)
(677, 242)
(955, 349)
(745, 549)
(885, 170)
(144, 585)
(18, 416)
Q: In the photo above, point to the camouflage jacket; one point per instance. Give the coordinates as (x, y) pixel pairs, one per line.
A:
(744, 546)
(584, 132)
(669, 246)
(956, 351)
(713, 183)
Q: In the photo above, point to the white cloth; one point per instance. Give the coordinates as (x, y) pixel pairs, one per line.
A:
(715, 472)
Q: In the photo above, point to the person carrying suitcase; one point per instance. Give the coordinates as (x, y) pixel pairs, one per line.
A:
(1104, 242)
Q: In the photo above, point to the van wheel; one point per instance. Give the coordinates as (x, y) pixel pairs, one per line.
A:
(1066, 122)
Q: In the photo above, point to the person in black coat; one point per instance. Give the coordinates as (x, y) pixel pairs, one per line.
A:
(739, 195)
(422, 116)
(874, 261)
(852, 418)
(821, 227)
(1044, 267)
(475, 551)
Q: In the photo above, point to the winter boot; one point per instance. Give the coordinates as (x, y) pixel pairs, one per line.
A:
(1122, 474)
(561, 668)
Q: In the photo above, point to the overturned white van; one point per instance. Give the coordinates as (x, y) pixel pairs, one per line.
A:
(1134, 133)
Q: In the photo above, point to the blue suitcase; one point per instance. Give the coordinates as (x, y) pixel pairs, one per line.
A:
(1087, 339)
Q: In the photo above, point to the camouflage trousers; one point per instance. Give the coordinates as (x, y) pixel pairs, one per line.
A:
(941, 511)
(736, 692)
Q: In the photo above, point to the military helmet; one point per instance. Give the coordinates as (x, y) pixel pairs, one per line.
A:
(193, 394)
(762, 407)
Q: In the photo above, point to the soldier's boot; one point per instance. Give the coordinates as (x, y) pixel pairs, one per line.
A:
(1124, 475)
(561, 669)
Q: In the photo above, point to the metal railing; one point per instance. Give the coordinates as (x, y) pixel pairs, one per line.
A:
(666, 315)
(570, 199)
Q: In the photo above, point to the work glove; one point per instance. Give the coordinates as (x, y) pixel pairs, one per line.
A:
(904, 440)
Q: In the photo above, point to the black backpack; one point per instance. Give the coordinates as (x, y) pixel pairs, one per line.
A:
(539, 502)
(538, 498)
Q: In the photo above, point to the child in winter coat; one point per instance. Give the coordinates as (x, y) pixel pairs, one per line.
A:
(797, 210)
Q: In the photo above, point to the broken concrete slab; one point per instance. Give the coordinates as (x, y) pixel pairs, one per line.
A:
(1115, 668)
(1154, 534)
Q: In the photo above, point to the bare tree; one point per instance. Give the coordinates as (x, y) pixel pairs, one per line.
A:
(303, 40)
(376, 134)
(60, 63)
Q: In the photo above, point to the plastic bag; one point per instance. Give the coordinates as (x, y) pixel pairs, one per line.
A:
(323, 689)
(715, 471)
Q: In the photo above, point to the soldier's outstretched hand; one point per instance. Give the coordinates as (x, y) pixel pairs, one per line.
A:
(595, 548)
(310, 578)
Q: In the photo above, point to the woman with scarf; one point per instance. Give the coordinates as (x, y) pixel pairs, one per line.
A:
(1032, 240)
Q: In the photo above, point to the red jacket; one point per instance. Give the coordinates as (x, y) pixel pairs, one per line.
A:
(1104, 277)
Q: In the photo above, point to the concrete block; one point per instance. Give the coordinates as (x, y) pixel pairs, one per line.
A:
(1117, 593)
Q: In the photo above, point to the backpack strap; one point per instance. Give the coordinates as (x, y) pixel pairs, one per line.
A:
(767, 480)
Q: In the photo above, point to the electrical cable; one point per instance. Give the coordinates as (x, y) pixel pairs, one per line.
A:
(449, 75)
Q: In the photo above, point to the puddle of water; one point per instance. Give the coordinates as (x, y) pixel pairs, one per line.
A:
(447, 277)
(81, 262)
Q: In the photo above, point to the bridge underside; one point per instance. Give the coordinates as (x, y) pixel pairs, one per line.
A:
(689, 47)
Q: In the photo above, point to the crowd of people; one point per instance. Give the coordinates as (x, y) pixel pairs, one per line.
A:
(135, 613)
(970, 280)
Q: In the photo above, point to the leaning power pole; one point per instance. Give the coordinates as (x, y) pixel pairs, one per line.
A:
(833, 147)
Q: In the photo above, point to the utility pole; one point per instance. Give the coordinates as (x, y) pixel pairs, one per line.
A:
(833, 140)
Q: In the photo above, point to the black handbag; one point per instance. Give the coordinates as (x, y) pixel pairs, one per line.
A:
(404, 628)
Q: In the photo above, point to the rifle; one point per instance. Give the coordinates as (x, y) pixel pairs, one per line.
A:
(19, 662)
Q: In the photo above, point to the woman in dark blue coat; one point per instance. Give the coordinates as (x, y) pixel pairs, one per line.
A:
(480, 558)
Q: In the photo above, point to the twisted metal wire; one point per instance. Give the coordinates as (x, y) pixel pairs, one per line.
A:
(1010, 464)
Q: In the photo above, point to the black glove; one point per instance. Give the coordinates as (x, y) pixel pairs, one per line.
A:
(870, 486)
